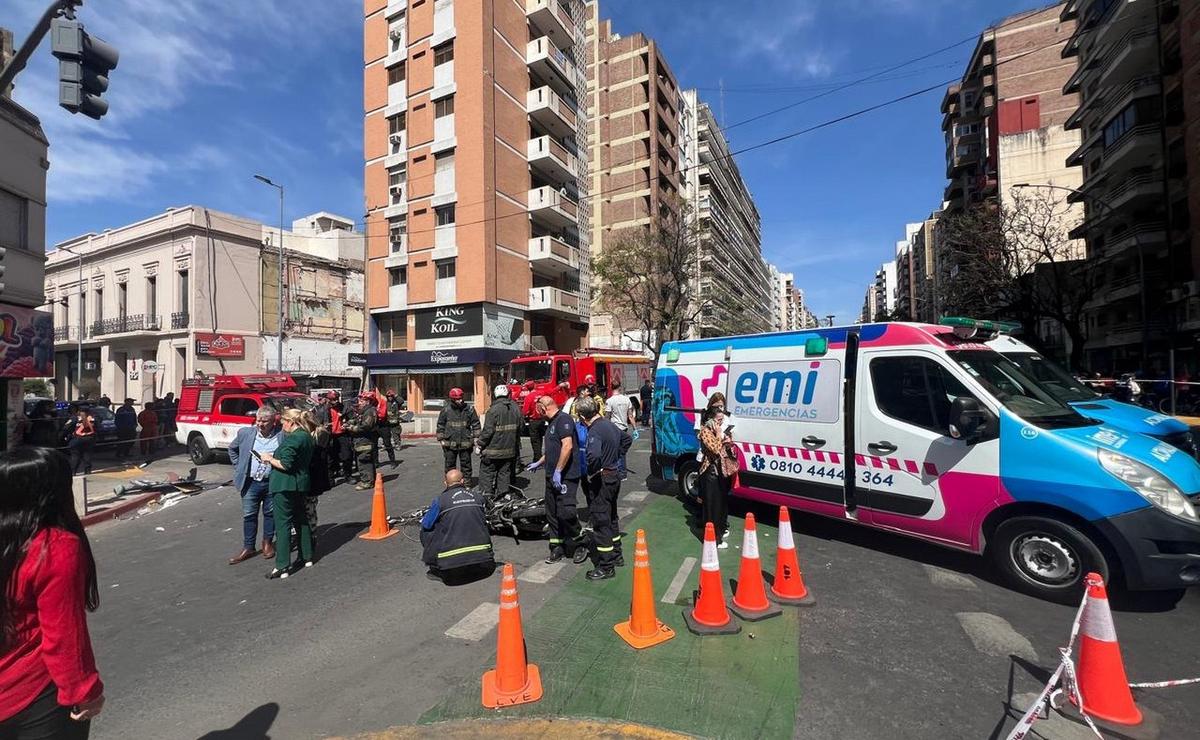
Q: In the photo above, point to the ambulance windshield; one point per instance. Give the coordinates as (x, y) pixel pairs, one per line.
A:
(1019, 391)
(1053, 377)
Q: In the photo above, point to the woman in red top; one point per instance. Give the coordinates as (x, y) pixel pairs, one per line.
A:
(83, 439)
(49, 686)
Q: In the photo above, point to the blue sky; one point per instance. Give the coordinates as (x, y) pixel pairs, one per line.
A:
(209, 92)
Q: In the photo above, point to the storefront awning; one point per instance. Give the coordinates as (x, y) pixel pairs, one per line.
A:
(437, 370)
(437, 361)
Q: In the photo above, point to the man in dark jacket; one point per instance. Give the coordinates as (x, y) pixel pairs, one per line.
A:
(457, 430)
(362, 428)
(454, 532)
(605, 445)
(389, 425)
(126, 419)
(645, 394)
(499, 444)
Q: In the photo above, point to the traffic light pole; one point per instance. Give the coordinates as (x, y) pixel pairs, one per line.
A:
(65, 8)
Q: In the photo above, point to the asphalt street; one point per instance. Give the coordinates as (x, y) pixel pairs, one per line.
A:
(905, 640)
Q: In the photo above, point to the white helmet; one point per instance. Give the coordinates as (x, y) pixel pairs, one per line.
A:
(500, 391)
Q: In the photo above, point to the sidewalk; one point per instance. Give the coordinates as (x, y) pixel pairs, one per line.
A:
(96, 496)
(743, 685)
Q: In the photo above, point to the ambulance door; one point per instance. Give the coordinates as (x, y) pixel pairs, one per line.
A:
(911, 475)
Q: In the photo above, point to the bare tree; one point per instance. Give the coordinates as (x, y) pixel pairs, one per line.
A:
(646, 278)
(1018, 262)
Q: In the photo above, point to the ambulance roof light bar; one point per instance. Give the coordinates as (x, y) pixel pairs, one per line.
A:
(967, 328)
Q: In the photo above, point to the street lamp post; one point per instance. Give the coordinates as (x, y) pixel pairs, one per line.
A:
(279, 289)
(1137, 242)
(79, 334)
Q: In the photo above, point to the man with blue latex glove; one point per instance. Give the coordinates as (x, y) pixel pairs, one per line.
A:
(562, 480)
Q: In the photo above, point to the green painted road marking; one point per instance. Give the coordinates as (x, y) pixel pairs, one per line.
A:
(732, 686)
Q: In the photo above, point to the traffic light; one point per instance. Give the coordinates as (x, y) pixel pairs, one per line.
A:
(83, 66)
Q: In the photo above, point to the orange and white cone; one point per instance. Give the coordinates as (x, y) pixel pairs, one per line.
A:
(788, 588)
(380, 529)
(750, 602)
(643, 629)
(1101, 671)
(709, 616)
(514, 680)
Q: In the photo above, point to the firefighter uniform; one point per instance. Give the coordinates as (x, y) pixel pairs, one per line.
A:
(561, 515)
(454, 532)
(499, 444)
(604, 445)
(362, 428)
(457, 429)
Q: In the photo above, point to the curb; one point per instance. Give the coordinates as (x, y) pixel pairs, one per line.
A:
(117, 510)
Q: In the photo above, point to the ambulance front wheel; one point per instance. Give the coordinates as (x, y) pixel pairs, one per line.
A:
(687, 475)
(1046, 557)
(198, 450)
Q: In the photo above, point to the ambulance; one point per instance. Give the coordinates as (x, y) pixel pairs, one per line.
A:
(1066, 388)
(213, 408)
(926, 431)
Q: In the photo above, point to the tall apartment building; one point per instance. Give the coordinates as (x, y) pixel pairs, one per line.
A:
(27, 348)
(926, 306)
(880, 300)
(1003, 122)
(1138, 80)
(907, 269)
(633, 144)
(734, 283)
(476, 186)
(140, 307)
(788, 301)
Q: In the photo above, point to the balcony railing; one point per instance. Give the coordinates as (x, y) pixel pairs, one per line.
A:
(123, 324)
(180, 320)
(63, 333)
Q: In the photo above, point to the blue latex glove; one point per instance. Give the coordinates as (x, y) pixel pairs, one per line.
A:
(533, 466)
(636, 434)
(556, 479)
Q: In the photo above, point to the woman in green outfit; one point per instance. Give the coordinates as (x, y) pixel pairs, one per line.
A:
(289, 485)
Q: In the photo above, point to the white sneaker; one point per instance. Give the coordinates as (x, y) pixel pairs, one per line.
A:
(309, 564)
(723, 545)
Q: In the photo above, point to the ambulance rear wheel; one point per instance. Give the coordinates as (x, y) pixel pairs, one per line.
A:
(198, 450)
(687, 476)
(1046, 557)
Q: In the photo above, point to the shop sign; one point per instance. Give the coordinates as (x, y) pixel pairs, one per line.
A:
(221, 346)
(26, 343)
(448, 327)
(443, 358)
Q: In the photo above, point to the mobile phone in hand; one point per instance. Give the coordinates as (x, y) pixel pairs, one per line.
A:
(257, 454)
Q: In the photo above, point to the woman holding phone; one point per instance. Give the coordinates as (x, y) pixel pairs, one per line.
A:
(290, 483)
(49, 685)
(717, 468)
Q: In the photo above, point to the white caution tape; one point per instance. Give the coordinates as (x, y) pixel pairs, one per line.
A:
(1164, 684)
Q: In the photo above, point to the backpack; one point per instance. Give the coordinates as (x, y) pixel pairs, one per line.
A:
(393, 413)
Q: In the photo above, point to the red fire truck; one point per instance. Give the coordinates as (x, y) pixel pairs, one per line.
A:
(549, 370)
(213, 408)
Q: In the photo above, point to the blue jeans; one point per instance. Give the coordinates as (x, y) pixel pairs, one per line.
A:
(257, 493)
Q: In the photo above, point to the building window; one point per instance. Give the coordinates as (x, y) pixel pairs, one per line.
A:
(396, 180)
(152, 296)
(122, 300)
(443, 53)
(83, 299)
(445, 269)
(398, 124)
(443, 107)
(392, 332)
(396, 231)
(397, 276)
(397, 73)
(99, 305)
(184, 291)
(14, 221)
(444, 214)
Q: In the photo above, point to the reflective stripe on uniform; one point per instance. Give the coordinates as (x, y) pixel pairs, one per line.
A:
(463, 550)
(603, 549)
(555, 542)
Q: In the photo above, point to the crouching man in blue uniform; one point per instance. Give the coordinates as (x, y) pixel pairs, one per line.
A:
(454, 534)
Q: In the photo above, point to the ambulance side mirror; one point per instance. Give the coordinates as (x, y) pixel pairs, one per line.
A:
(969, 420)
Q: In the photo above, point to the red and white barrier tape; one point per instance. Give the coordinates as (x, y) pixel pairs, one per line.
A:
(1066, 674)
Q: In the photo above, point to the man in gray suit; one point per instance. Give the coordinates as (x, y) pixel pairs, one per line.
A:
(251, 478)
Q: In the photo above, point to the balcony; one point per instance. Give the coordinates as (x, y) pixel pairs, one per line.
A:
(1128, 332)
(124, 325)
(1129, 285)
(547, 62)
(1150, 233)
(65, 333)
(1133, 189)
(1133, 54)
(552, 207)
(552, 19)
(557, 302)
(551, 160)
(1135, 147)
(398, 297)
(180, 320)
(551, 256)
(551, 112)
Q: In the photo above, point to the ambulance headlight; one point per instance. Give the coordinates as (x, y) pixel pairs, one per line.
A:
(1150, 484)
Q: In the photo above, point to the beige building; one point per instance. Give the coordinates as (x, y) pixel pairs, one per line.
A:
(633, 143)
(146, 305)
(476, 190)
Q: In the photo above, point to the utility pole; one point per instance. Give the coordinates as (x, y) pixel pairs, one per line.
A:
(279, 326)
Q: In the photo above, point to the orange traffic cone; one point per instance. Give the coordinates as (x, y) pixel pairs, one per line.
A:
(709, 616)
(514, 681)
(380, 529)
(789, 588)
(1101, 674)
(750, 602)
(643, 629)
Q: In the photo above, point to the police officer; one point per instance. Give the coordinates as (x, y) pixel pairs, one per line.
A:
(604, 448)
(454, 532)
(499, 443)
(457, 430)
(362, 427)
(562, 479)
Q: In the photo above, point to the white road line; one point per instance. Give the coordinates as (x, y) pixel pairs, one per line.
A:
(477, 624)
(949, 579)
(542, 572)
(994, 636)
(681, 576)
(636, 496)
(624, 512)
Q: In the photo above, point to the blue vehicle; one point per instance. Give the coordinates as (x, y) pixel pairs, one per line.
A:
(1113, 413)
